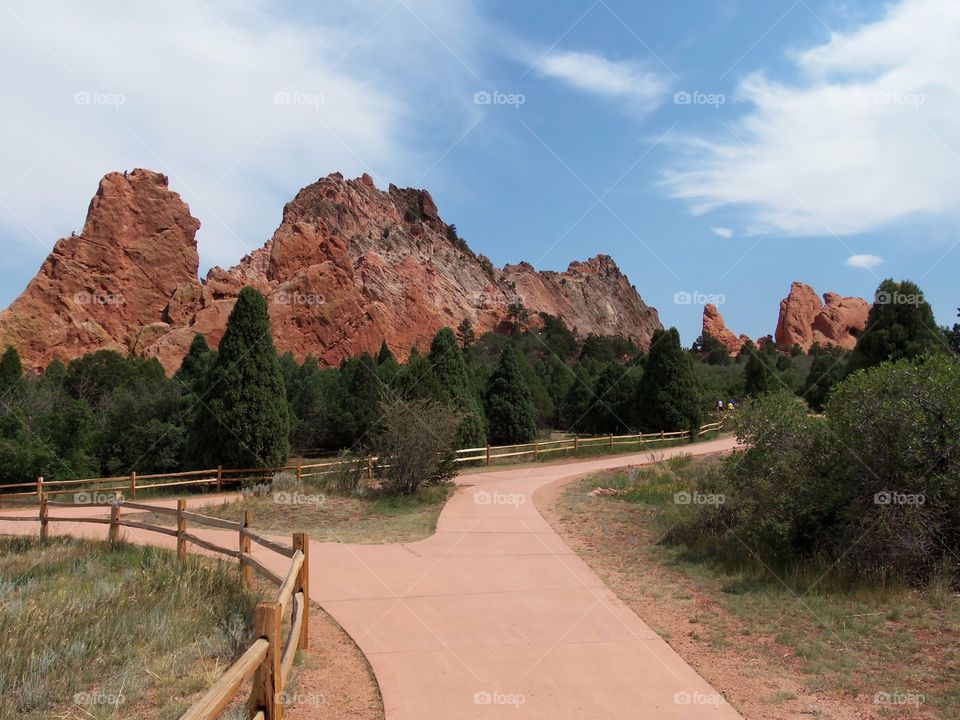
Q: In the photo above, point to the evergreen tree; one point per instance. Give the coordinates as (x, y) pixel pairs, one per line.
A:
(556, 377)
(195, 367)
(578, 401)
(10, 369)
(362, 392)
(417, 381)
(466, 334)
(450, 370)
(953, 336)
(245, 421)
(385, 355)
(825, 372)
(668, 394)
(900, 325)
(510, 410)
(614, 392)
(758, 374)
(387, 365)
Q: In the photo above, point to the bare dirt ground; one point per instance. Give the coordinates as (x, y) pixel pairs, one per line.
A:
(758, 676)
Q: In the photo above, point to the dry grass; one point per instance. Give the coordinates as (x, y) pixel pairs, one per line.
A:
(780, 645)
(93, 631)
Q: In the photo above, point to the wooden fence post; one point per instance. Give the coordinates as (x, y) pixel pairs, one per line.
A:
(246, 572)
(39, 486)
(369, 467)
(268, 680)
(181, 529)
(299, 472)
(114, 533)
(44, 513)
(301, 542)
(536, 450)
(662, 434)
(133, 485)
(611, 441)
(219, 478)
(576, 443)
(488, 454)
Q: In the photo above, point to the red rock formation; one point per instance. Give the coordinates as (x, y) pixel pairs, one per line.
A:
(348, 267)
(714, 327)
(805, 321)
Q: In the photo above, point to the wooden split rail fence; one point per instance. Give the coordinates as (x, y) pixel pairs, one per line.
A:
(269, 660)
(221, 478)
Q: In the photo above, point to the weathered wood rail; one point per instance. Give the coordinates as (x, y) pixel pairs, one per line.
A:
(269, 660)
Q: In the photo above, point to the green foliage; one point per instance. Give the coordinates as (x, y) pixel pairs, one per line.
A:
(195, 367)
(759, 377)
(450, 371)
(466, 334)
(509, 407)
(10, 369)
(361, 393)
(245, 420)
(416, 443)
(668, 394)
(900, 325)
(825, 372)
(872, 489)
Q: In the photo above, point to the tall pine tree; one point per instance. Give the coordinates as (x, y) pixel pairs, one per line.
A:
(510, 410)
(450, 370)
(11, 370)
(668, 394)
(245, 420)
(900, 325)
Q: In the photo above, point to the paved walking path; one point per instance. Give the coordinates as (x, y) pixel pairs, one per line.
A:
(494, 616)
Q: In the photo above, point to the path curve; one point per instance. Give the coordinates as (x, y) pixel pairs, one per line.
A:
(494, 615)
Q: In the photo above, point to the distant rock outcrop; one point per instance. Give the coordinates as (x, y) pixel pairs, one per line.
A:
(714, 327)
(348, 267)
(805, 321)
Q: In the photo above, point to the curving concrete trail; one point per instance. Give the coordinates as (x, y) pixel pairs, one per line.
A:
(494, 616)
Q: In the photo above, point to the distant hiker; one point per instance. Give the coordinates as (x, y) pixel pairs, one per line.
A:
(719, 407)
(730, 406)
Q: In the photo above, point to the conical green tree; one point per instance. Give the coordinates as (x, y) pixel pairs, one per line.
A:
(668, 395)
(900, 325)
(196, 365)
(387, 365)
(245, 420)
(11, 370)
(450, 370)
(511, 414)
(758, 374)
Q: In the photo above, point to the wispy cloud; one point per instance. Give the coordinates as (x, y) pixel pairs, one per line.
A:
(863, 262)
(722, 232)
(870, 134)
(592, 73)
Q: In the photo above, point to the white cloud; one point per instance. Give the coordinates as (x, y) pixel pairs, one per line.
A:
(624, 80)
(863, 262)
(723, 232)
(199, 84)
(870, 134)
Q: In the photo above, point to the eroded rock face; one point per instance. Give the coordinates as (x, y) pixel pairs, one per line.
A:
(714, 327)
(129, 276)
(806, 321)
(348, 267)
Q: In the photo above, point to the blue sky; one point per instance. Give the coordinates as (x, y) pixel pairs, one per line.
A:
(717, 149)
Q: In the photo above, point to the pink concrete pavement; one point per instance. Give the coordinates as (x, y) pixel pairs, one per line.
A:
(494, 616)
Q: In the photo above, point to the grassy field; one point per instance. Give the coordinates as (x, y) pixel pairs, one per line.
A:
(91, 631)
(781, 644)
(366, 517)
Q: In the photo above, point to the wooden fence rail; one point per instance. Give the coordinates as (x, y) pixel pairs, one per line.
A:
(93, 489)
(269, 660)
